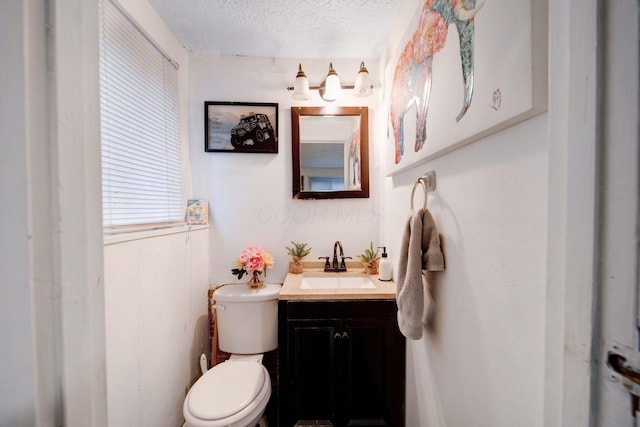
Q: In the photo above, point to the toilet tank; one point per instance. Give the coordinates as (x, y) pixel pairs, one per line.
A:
(247, 318)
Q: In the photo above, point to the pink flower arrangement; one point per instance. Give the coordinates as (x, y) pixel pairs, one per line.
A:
(253, 261)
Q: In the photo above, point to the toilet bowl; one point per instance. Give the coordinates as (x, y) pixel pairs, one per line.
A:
(235, 393)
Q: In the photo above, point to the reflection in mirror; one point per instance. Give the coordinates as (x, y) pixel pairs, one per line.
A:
(330, 152)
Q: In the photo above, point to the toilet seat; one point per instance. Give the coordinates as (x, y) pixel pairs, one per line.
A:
(231, 393)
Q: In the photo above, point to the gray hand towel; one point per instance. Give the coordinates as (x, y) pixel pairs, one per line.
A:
(432, 258)
(420, 250)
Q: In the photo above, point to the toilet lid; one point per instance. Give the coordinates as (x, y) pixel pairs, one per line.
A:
(226, 389)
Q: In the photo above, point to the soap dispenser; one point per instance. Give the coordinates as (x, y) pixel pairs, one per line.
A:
(386, 271)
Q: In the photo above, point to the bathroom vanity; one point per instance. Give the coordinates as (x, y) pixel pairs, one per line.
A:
(341, 354)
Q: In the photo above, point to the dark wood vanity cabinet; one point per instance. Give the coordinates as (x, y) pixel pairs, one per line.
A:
(342, 363)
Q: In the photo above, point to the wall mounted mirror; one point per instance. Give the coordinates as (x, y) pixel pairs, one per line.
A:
(330, 152)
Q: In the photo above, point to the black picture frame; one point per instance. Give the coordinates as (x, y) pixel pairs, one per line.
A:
(240, 127)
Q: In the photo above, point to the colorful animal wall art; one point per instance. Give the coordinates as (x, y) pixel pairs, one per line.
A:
(413, 73)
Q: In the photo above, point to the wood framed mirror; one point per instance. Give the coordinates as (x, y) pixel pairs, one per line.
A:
(330, 152)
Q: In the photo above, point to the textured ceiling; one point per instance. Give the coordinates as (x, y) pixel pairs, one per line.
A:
(281, 28)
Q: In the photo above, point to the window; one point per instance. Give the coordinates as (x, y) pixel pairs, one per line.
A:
(141, 161)
(325, 183)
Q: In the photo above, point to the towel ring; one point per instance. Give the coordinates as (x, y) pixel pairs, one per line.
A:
(413, 191)
(428, 182)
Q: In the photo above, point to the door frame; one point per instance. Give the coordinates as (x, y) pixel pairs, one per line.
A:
(574, 29)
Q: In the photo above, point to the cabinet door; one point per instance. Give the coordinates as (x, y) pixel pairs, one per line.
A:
(371, 364)
(314, 372)
(342, 363)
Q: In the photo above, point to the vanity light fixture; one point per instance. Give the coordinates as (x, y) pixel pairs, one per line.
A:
(331, 87)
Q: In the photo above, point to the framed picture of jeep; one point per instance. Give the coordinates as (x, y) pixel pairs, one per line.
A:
(240, 127)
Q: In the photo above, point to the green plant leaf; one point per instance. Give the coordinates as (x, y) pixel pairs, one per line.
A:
(238, 272)
(369, 254)
(298, 249)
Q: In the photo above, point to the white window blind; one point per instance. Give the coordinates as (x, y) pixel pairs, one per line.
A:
(141, 161)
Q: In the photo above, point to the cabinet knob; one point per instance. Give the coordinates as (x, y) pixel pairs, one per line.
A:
(345, 336)
(337, 336)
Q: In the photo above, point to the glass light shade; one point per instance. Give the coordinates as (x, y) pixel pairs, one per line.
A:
(301, 86)
(332, 85)
(362, 86)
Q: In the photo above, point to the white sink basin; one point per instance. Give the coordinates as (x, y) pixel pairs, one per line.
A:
(337, 282)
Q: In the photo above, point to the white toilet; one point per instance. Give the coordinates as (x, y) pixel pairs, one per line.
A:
(235, 393)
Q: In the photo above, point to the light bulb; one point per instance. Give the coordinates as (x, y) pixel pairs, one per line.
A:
(332, 85)
(301, 86)
(362, 86)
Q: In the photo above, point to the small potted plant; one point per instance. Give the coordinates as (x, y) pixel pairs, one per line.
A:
(297, 251)
(370, 260)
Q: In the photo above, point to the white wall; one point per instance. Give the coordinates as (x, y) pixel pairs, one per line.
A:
(481, 360)
(157, 325)
(250, 195)
(484, 350)
(156, 291)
